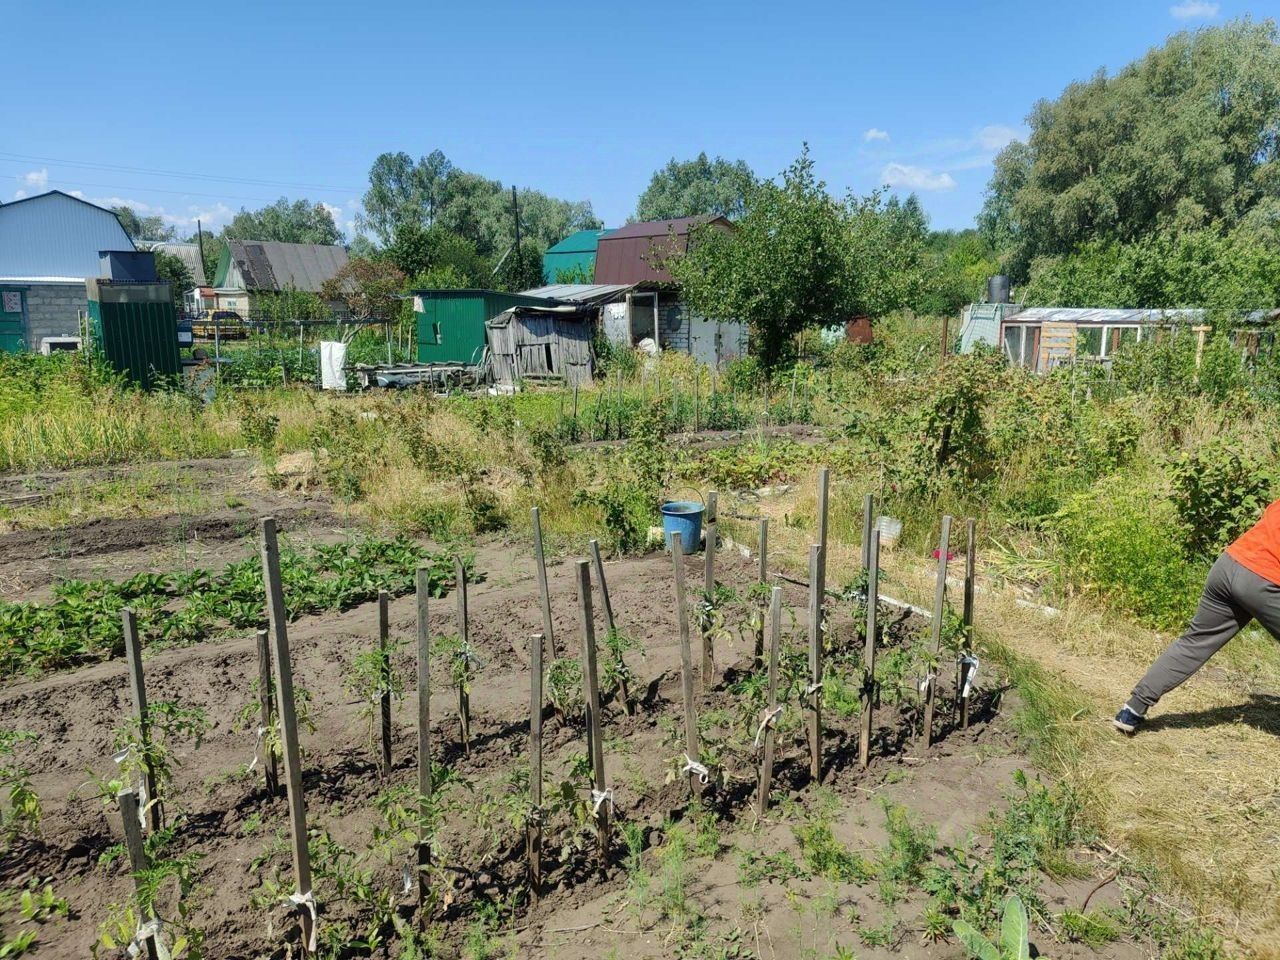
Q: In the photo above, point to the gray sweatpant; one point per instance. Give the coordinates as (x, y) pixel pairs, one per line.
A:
(1233, 595)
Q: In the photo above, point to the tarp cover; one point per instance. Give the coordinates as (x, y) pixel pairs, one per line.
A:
(333, 362)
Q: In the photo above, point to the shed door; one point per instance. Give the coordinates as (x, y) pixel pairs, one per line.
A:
(703, 337)
(12, 334)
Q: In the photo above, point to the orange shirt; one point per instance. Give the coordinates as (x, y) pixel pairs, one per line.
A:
(1258, 548)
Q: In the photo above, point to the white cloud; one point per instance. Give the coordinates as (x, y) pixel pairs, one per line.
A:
(995, 136)
(19, 194)
(1194, 10)
(39, 179)
(875, 133)
(915, 178)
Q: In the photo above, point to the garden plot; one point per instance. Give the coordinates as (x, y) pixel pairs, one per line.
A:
(702, 878)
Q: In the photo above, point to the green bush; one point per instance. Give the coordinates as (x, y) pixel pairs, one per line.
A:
(1119, 542)
(1218, 492)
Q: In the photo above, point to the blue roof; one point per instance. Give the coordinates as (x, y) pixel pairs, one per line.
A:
(55, 236)
(584, 241)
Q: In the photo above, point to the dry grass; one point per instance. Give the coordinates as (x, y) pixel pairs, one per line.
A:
(1196, 796)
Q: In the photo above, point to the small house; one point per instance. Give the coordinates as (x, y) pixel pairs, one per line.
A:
(540, 343)
(249, 270)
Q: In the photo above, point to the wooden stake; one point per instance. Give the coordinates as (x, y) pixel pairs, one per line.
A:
(276, 621)
(775, 639)
(591, 696)
(533, 838)
(970, 572)
(939, 608)
(762, 578)
(138, 862)
(133, 654)
(869, 654)
(384, 702)
(691, 744)
(709, 594)
(424, 729)
(814, 692)
(464, 635)
(624, 690)
(824, 489)
(266, 709)
(868, 522)
(540, 566)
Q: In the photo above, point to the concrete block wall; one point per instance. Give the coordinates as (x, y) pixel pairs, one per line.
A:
(53, 310)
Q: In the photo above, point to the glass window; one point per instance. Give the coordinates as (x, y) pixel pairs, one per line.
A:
(1030, 346)
(1013, 343)
(1089, 342)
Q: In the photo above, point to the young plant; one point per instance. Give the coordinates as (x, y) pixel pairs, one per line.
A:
(462, 662)
(250, 717)
(22, 813)
(1014, 930)
(564, 687)
(616, 672)
(373, 676)
(167, 722)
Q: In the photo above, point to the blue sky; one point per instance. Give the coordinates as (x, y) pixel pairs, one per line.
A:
(195, 110)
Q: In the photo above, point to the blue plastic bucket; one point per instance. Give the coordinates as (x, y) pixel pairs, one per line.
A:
(685, 518)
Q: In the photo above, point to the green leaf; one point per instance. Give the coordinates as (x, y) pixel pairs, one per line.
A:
(1013, 930)
(977, 945)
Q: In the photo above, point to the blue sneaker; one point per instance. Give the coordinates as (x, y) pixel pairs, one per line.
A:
(1127, 721)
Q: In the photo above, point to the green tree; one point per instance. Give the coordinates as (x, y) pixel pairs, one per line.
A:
(173, 269)
(416, 249)
(1184, 138)
(298, 222)
(143, 228)
(785, 267)
(371, 289)
(688, 188)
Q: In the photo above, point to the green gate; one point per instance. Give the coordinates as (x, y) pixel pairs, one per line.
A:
(12, 333)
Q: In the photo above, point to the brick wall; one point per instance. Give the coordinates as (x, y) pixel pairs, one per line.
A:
(53, 310)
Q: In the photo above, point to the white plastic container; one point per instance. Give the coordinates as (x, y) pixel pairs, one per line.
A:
(890, 530)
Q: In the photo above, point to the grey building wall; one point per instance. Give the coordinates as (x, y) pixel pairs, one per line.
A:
(675, 325)
(53, 310)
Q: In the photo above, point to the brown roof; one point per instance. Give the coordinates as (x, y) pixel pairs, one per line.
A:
(627, 255)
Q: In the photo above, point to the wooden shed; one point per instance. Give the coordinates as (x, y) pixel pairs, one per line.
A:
(540, 343)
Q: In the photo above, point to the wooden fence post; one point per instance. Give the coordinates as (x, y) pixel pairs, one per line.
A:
(869, 654)
(775, 638)
(464, 636)
(693, 766)
(533, 838)
(939, 610)
(384, 701)
(868, 521)
(824, 491)
(423, 584)
(970, 572)
(813, 692)
(304, 898)
(131, 818)
(133, 653)
(266, 708)
(708, 598)
(540, 567)
(601, 798)
(624, 688)
(762, 578)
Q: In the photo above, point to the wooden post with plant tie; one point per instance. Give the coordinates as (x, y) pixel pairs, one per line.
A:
(139, 863)
(540, 567)
(534, 834)
(464, 639)
(770, 718)
(624, 688)
(709, 597)
(693, 766)
(970, 572)
(869, 654)
(423, 592)
(384, 663)
(935, 644)
(266, 722)
(813, 692)
(601, 797)
(304, 898)
(762, 577)
(868, 522)
(133, 654)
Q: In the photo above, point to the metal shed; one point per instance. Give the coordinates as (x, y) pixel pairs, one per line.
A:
(540, 343)
(630, 254)
(136, 328)
(451, 322)
(576, 253)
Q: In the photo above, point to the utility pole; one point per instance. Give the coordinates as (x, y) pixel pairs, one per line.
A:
(200, 243)
(515, 210)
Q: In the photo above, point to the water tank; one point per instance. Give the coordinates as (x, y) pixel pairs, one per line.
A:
(137, 266)
(998, 288)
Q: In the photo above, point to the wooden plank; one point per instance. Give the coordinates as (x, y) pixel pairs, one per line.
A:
(423, 584)
(384, 701)
(709, 593)
(868, 522)
(935, 643)
(813, 695)
(266, 709)
(135, 848)
(533, 841)
(138, 689)
(540, 566)
(766, 765)
(869, 651)
(604, 585)
(691, 740)
(276, 624)
(591, 696)
(970, 572)
(464, 635)
(762, 577)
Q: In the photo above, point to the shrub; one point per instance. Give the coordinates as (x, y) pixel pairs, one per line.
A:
(1218, 491)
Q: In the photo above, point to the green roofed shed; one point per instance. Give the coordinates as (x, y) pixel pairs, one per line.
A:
(451, 322)
(573, 257)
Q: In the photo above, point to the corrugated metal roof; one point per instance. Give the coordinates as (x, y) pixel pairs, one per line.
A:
(188, 253)
(269, 265)
(629, 254)
(580, 292)
(55, 235)
(583, 241)
(1099, 316)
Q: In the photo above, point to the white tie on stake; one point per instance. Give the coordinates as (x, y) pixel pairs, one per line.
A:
(599, 797)
(148, 931)
(972, 662)
(693, 766)
(307, 901)
(767, 721)
(257, 749)
(927, 682)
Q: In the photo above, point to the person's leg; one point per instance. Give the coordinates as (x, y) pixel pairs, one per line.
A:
(1222, 614)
